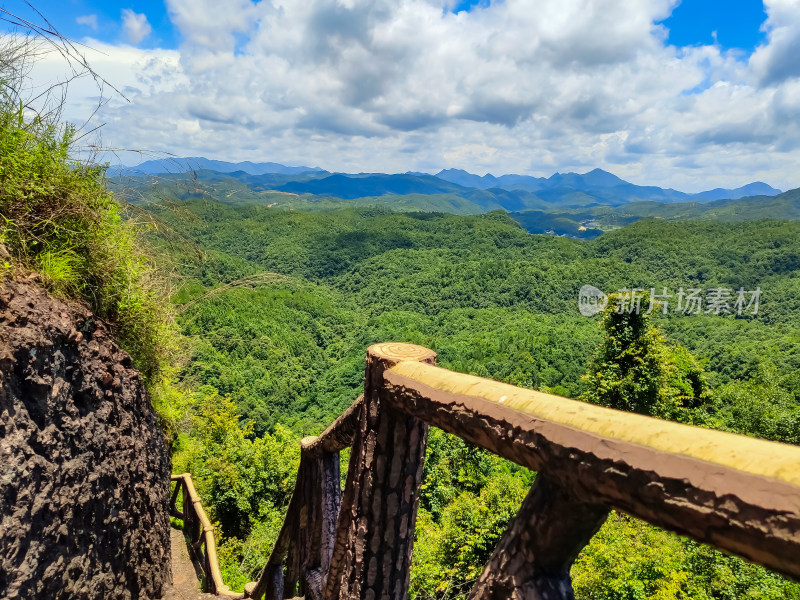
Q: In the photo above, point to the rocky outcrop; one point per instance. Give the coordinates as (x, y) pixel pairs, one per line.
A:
(84, 467)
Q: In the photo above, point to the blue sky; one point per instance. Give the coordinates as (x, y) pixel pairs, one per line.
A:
(692, 95)
(735, 23)
(102, 20)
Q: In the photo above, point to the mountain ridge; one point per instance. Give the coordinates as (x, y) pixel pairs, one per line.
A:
(196, 163)
(592, 221)
(598, 179)
(512, 192)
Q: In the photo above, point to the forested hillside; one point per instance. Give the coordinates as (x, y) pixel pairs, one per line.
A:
(570, 205)
(597, 219)
(278, 307)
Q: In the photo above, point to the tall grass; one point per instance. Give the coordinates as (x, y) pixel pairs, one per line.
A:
(57, 218)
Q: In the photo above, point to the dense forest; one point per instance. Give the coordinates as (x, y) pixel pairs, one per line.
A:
(276, 308)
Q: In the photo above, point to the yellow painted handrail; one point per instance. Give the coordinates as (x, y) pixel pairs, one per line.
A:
(736, 493)
(747, 454)
(204, 534)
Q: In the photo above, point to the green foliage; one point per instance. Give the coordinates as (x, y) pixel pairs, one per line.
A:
(761, 407)
(467, 499)
(636, 370)
(243, 478)
(274, 351)
(241, 560)
(60, 270)
(57, 218)
(630, 560)
(450, 552)
(245, 481)
(279, 307)
(173, 405)
(453, 467)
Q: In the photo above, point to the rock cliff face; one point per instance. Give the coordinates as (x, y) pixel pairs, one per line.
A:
(84, 468)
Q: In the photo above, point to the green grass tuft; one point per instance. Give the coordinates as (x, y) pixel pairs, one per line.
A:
(57, 218)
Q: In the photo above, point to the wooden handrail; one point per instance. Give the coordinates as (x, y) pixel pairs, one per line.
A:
(340, 434)
(201, 535)
(738, 494)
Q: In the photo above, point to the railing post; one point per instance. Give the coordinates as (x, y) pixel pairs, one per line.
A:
(173, 508)
(191, 522)
(375, 529)
(319, 523)
(211, 586)
(321, 497)
(533, 558)
(273, 586)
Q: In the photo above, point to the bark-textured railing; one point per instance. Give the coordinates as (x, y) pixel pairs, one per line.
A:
(738, 494)
(200, 533)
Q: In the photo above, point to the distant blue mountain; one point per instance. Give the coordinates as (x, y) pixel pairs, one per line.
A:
(463, 178)
(569, 189)
(758, 188)
(488, 181)
(595, 187)
(197, 163)
(593, 179)
(371, 184)
(597, 178)
(512, 192)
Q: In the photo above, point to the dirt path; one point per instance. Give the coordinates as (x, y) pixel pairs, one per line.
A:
(185, 580)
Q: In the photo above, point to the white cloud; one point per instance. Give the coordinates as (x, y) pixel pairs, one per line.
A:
(139, 74)
(515, 86)
(135, 26)
(88, 20)
(778, 61)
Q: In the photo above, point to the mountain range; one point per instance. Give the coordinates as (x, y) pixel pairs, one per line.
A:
(197, 163)
(487, 192)
(592, 221)
(600, 183)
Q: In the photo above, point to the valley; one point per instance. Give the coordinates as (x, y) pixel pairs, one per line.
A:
(570, 205)
(277, 303)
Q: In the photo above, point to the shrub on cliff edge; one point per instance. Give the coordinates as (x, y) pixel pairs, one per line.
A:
(58, 219)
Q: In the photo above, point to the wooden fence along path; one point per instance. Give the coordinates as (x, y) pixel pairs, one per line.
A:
(200, 533)
(738, 494)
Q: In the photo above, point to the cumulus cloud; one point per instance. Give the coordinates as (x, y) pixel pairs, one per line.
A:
(139, 74)
(135, 26)
(88, 20)
(511, 86)
(777, 60)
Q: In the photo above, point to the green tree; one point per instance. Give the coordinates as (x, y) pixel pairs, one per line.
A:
(631, 560)
(761, 407)
(637, 370)
(242, 478)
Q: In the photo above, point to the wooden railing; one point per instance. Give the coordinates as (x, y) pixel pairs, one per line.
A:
(200, 533)
(738, 494)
